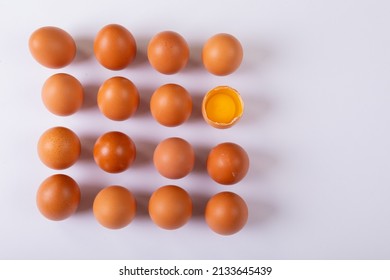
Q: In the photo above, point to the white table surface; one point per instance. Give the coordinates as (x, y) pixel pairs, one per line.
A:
(315, 82)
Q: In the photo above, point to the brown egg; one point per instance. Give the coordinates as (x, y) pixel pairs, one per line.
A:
(58, 197)
(171, 105)
(226, 213)
(222, 54)
(114, 152)
(114, 47)
(62, 94)
(227, 163)
(168, 52)
(222, 107)
(114, 207)
(174, 158)
(52, 47)
(118, 98)
(170, 207)
(59, 148)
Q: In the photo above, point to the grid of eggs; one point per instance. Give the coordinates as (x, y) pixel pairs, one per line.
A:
(114, 207)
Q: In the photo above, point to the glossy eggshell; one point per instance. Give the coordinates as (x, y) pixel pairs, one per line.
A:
(168, 52)
(118, 98)
(62, 94)
(174, 158)
(59, 148)
(114, 152)
(226, 213)
(227, 163)
(171, 105)
(170, 207)
(114, 47)
(58, 197)
(114, 207)
(222, 54)
(52, 47)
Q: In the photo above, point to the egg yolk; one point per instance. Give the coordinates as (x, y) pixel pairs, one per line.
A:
(223, 106)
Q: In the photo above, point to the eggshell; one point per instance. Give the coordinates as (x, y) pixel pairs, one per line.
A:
(174, 158)
(168, 52)
(222, 54)
(114, 207)
(52, 47)
(114, 152)
(226, 213)
(171, 105)
(227, 163)
(62, 94)
(118, 98)
(222, 107)
(59, 148)
(114, 47)
(58, 197)
(170, 207)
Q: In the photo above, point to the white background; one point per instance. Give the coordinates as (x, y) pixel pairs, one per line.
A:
(315, 82)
